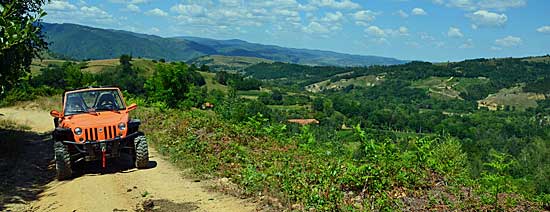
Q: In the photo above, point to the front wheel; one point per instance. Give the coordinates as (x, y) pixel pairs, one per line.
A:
(62, 161)
(141, 152)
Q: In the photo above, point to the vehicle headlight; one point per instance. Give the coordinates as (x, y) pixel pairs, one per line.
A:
(78, 131)
(122, 126)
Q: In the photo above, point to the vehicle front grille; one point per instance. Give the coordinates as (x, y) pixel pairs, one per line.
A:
(99, 134)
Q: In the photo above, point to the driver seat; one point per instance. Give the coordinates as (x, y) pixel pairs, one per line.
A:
(75, 103)
(105, 99)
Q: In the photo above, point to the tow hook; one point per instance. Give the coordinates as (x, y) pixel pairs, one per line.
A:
(103, 153)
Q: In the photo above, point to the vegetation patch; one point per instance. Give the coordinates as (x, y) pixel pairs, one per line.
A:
(448, 88)
(511, 99)
(363, 81)
(227, 63)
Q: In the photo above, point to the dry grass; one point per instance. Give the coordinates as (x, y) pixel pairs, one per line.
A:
(41, 103)
(37, 64)
(513, 97)
(363, 81)
(96, 66)
(8, 124)
(229, 63)
(543, 59)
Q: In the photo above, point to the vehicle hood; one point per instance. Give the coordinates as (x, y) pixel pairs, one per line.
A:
(100, 119)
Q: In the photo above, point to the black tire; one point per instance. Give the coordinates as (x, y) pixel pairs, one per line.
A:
(62, 161)
(141, 158)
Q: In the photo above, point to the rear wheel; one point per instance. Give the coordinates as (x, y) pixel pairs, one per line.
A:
(62, 161)
(141, 158)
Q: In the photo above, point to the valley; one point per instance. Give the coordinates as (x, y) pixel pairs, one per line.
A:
(264, 105)
(350, 108)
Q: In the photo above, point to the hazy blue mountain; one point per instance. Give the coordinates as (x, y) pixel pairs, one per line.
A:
(83, 42)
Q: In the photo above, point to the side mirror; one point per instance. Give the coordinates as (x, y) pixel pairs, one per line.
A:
(56, 114)
(132, 107)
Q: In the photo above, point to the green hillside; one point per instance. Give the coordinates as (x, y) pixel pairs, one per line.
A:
(420, 128)
(83, 42)
(227, 63)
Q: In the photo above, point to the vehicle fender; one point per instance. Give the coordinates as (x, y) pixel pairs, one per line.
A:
(63, 134)
(133, 125)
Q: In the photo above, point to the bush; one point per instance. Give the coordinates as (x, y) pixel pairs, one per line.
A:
(174, 84)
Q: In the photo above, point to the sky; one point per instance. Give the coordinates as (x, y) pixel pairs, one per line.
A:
(428, 30)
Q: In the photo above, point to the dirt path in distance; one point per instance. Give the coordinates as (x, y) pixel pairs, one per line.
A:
(119, 187)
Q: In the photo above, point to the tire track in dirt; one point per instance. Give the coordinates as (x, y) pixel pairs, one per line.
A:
(120, 187)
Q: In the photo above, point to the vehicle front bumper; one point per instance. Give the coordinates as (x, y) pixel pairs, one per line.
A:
(92, 150)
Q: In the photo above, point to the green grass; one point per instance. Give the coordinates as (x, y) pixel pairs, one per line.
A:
(288, 107)
(228, 63)
(211, 82)
(357, 175)
(447, 87)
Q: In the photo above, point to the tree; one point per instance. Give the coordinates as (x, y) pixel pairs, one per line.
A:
(204, 68)
(172, 84)
(277, 96)
(20, 38)
(125, 62)
(124, 76)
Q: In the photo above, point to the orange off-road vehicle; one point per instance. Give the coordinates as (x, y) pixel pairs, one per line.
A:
(94, 125)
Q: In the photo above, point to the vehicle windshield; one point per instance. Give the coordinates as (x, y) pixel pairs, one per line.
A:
(92, 101)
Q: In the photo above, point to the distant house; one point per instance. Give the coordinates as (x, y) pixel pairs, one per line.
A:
(207, 105)
(487, 104)
(304, 121)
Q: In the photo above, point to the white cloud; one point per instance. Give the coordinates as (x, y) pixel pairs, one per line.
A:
(95, 12)
(287, 12)
(418, 11)
(86, 15)
(59, 6)
(402, 13)
(333, 17)
(413, 44)
(365, 15)
(454, 32)
(315, 27)
(231, 3)
(154, 30)
(468, 44)
(403, 31)
(132, 8)
(336, 4)
(380, 41)
(129, 1)
(427, 37)
(156, 12)
(501, 4)
(189, 10)
(508, 41)
(375, 31)
(472, 5)
(484, 18)
(544, 29)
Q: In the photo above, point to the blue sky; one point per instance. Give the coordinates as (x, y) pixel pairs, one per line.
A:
(430, 30)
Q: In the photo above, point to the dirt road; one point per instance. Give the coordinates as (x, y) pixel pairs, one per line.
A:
(118, 188)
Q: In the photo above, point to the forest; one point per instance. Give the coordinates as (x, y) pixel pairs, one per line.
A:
(494, 152)
(465, 136)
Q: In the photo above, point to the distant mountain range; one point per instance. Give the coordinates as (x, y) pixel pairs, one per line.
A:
(84, 42)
